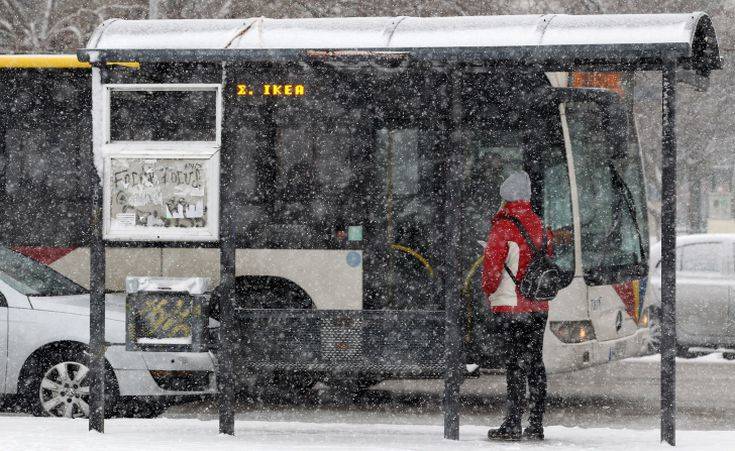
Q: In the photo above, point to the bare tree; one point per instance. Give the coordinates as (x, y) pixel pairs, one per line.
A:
(187, 9)
(54, 24)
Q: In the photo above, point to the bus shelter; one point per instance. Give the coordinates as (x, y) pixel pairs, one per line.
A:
(257, 60)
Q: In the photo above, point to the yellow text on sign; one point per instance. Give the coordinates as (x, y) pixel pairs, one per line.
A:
(283, 90)
(273, 90)
(243, 90)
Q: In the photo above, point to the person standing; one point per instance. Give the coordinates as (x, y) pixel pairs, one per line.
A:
(520, 322)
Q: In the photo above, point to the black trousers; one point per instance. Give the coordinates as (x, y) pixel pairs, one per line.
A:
(522, 348)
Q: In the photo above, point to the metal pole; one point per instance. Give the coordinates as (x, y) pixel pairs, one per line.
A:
(96, 303)
(452, 276)
(225, 376)
(668, 254)
(152, 9)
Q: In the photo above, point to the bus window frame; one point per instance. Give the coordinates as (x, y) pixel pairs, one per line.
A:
(208, 152)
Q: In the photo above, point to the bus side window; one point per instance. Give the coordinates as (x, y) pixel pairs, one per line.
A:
(47, 160)
(246, 189)
(402, 233)
(310, 194)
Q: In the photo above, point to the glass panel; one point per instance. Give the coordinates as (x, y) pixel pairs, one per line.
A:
(45, 158)
(406, 249)
(313, 177)
(558, 206)
(491, 156)
(703, 257)
(494, 154)
(610, 194)
(158, 193)
(163, 115)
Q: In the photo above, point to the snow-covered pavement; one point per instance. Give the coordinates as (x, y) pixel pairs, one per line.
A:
(616, 406)
(30, 434)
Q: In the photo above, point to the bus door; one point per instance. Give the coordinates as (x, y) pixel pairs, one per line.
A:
(514, 125)
(403, 193)
(402, 250)
(613, 233)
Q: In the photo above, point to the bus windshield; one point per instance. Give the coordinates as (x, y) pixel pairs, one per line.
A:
(611, 197)
(31, 278)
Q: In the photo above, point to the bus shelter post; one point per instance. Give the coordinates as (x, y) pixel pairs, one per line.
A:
(225, 378)
(668, 254)
(96, 289)
(452, 277)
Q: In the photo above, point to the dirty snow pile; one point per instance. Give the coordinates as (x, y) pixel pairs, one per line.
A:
(29, 434)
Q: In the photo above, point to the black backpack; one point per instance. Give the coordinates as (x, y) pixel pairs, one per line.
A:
(543, 278)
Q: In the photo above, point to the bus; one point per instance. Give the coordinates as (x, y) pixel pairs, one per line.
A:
(339, 175)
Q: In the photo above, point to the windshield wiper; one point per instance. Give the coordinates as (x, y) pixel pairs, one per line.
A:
(621, 185)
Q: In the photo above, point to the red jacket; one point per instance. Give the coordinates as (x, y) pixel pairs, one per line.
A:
(503, 236)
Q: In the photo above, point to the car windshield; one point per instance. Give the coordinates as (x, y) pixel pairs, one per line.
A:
(32, 278)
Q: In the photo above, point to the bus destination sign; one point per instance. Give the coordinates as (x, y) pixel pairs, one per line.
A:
(271, 90)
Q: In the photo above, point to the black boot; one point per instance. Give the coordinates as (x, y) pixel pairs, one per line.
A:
(534, 431)
(508, 431)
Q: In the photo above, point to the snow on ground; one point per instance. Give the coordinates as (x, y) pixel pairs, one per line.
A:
(30, 434)
(701, 355)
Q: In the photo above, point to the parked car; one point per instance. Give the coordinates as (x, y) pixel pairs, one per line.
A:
(705, 292)
(44, 336)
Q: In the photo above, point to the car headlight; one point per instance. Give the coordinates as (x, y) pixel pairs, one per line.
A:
(573, 331)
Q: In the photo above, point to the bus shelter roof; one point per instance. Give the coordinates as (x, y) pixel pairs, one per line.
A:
(555, 41)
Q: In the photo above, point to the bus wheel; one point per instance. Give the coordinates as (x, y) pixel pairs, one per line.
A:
(288, 382)
(352, 385)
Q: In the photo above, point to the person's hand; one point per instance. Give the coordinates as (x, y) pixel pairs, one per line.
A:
(563, 236)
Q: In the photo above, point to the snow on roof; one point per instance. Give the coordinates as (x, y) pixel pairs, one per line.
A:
(692, 32)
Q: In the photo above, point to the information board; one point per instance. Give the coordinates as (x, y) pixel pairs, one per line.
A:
(152, 197)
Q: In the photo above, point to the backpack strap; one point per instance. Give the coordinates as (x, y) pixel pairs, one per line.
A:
(510, 273)
(526, 237)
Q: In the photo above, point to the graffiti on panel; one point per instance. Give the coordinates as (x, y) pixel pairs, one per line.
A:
(148, 192)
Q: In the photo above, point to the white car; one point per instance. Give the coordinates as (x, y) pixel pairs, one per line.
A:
(705, 292)
(44, 336)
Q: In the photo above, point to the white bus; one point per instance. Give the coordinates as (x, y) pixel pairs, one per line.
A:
(340, 177)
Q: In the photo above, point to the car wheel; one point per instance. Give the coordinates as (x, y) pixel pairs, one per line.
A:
(654, 331)
(57, 385)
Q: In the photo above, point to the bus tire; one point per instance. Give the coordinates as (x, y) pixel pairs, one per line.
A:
(287, 382)
(352, 385)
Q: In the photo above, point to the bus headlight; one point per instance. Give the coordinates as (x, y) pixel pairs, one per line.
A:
(643, 322)
(573, 331)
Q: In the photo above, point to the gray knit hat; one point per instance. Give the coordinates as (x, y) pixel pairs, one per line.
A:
(516, 187)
